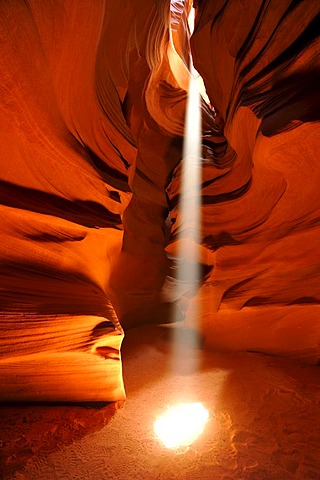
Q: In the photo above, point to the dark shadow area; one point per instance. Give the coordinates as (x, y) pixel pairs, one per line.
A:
(87, 213)
(32, 429)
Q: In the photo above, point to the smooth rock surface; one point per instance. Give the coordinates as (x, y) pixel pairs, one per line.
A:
(93, 101)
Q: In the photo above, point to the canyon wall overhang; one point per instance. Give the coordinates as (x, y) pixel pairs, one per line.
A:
(92, 121)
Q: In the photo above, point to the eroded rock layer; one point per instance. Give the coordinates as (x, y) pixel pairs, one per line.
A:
(260, 199)
(64, 185)
(260, 64)
(93, 103)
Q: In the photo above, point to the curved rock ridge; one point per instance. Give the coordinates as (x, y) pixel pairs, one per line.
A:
(66, 150)
(78, 167)
(260, 64)
(259, 188)
(92, 123)
(260, 253)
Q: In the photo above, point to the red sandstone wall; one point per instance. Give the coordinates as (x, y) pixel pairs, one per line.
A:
(93, 99)
(64, 165)
(260, 64)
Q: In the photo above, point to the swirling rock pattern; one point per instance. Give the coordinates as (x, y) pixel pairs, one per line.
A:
(260, 62)
(93, 102)
(64, 184)
(259, 199)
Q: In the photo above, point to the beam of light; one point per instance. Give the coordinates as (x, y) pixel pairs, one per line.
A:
(191, 20)
(181, 425)
(189, 219)
(199, 79)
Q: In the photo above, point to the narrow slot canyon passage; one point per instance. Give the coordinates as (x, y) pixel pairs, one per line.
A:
(160, 247)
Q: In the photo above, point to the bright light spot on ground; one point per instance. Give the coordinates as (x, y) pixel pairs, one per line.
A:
(181, 425)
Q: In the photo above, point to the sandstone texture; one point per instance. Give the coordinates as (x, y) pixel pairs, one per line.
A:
(93, 98)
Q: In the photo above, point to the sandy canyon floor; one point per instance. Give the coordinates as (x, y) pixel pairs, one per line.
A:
(264, 421)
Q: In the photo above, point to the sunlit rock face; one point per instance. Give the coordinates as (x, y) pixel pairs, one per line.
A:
(260, 64)
(260, 206)
(65, 153)
(93, 101)
(83, 200)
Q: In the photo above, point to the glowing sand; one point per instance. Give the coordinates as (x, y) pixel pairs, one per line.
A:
(181, 425)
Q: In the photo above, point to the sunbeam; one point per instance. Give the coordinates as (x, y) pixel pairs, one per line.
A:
(188, 273)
